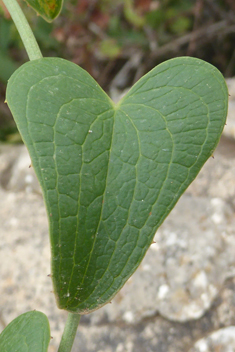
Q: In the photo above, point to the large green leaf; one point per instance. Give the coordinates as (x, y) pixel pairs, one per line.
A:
(111, 174)
(48, 9)
(30, 332)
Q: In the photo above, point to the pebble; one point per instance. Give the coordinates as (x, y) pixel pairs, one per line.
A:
(222, 340)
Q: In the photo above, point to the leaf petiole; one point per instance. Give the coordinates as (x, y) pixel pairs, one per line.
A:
(26, 34)
(69, 333)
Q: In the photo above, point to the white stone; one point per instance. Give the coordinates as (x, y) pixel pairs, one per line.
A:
(128, 317)
(163, 290)
(200, 280)
(220, 340)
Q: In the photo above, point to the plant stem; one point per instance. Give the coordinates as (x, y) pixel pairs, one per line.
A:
(69, 333)
(24, 29)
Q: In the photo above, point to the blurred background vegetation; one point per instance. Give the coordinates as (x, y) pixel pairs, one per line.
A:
(117, 41)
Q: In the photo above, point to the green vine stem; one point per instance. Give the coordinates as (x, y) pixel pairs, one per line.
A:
(24, 29)
(69, 333)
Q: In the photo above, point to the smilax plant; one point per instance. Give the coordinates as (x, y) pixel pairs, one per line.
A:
(110, 173)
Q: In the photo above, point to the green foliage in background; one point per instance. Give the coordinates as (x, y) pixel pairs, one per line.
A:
(7, 64)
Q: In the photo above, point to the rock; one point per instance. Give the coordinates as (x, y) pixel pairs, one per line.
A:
(184, 270)
(16, 173)
(25, 260)
(222, 340)
(216, 178)
(229, 130)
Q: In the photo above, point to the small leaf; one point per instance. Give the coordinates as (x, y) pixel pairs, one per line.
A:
(109, 48)
(30, 332)
(48, 9)
(112, 173)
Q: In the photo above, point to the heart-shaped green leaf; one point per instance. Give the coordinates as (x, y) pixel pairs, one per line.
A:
(111, 174)
(30, 332)
(48, 9)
